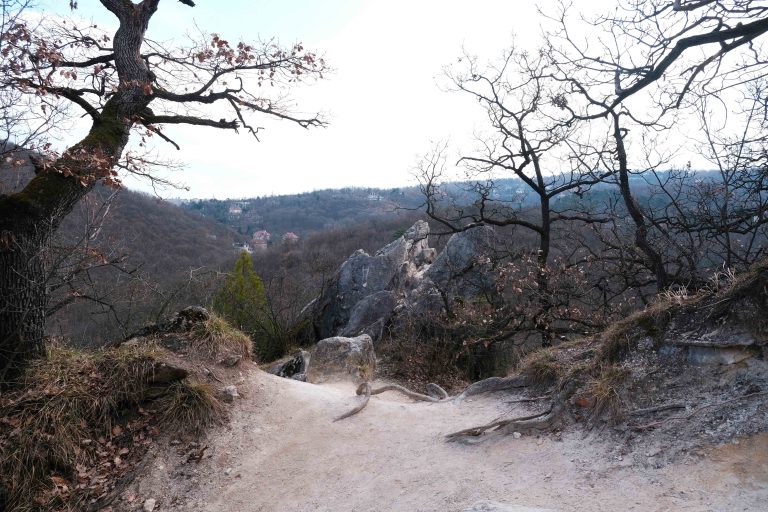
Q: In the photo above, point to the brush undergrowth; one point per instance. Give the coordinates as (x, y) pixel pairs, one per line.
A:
(80, 419)
(604, 390)
(598, 365)
(541, 367)
(595, 363)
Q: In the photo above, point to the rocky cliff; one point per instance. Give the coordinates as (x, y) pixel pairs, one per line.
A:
(404, 279)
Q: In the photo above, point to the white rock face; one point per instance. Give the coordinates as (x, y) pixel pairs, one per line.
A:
(149, 504)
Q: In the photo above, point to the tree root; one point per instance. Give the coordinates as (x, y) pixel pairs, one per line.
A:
(362, 388)
(527, 400)
(436, 391)
(494, 384)
(649, 426)
(652, 410)
(436, 394)
(540, 422)
(410, 394)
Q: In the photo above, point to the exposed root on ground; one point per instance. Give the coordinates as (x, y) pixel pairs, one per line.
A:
(362, 388)
(691, 414)
(494, 384)
(412, 394)
(436, 394)
(528, 400)
(436, 391)
(540, 422)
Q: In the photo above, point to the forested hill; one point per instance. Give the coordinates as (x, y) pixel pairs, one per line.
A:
(321, 210)
(144, 227)
(308, 212)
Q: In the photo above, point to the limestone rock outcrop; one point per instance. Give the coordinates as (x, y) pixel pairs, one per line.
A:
(333, 359)
(404, 279)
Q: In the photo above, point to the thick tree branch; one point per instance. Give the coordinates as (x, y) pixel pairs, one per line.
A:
(76, 97)
(739, 35)
(199, 121)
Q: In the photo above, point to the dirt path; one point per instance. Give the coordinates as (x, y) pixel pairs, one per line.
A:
(282, 452)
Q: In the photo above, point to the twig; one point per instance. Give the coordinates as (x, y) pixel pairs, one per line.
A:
(119, 487)
(210, 372)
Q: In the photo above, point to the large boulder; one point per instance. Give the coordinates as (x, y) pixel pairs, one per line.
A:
(463, 268)
(370, 315)
(341, 358)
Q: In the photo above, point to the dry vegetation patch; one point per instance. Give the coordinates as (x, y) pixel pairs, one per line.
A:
(215, 338)
(635, 377)
(74, 431)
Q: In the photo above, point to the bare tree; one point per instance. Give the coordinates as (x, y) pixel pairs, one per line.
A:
(530, 143)
(654, 60)
(114, 80)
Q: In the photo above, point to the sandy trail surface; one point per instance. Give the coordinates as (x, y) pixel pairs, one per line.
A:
(283, 452)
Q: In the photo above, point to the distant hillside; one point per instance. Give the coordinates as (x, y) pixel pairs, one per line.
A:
(148, 228)
(306, 213)
(157, 244)
(322, 210)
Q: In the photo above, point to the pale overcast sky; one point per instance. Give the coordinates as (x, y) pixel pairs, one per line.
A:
(384, 100)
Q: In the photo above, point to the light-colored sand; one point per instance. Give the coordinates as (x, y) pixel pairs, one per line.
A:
(283, 452)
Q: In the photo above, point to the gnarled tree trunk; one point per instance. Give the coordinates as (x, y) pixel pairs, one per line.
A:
(29, 218)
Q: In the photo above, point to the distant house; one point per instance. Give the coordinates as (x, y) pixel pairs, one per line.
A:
(375, 197)
(242, 248)
(260, 240)
(235, 211)
(290, 238)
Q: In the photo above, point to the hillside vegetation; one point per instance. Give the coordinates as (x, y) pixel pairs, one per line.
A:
(307, 212)
(124, 258)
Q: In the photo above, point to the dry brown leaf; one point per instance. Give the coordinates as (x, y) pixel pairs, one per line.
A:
(58, 481)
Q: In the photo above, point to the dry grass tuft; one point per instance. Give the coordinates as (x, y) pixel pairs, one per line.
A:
(76, 423)
(619, 337)
(189, 407)
(70, 398)
(215, 337)
(604, 391)
(542, 367)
